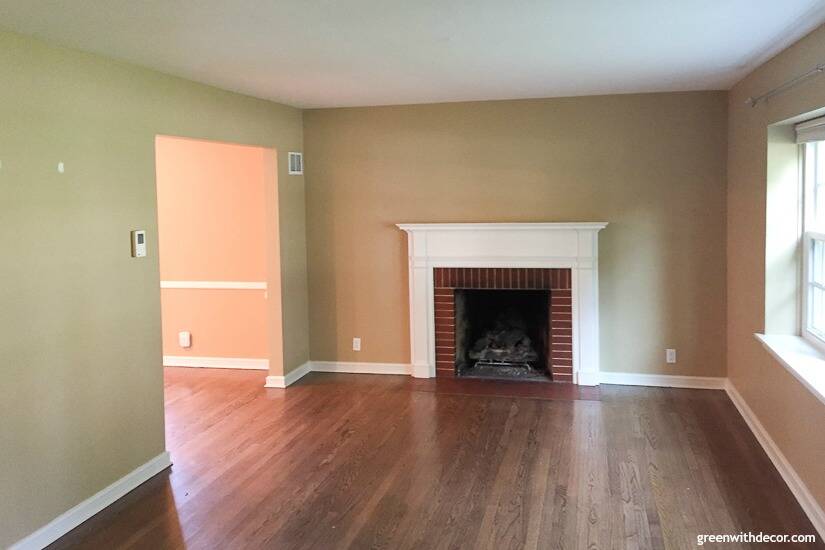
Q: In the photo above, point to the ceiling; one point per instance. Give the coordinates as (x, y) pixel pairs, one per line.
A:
(327, 53)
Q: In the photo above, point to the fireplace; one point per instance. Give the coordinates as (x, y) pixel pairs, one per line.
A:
(560, 258)
(510, 323)
(502, 334)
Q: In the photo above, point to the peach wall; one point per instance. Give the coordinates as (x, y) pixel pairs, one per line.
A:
(213, 226)
(211, 211)
(223, 323)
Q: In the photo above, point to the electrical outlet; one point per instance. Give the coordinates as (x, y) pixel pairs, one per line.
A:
(670, 355)
(356, 344)
(185, 339)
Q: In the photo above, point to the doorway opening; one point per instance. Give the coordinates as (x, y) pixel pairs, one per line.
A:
(218, 254)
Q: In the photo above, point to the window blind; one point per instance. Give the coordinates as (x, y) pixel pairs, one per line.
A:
(810, 130)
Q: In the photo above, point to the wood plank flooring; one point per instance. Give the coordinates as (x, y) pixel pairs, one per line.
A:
(364, 461)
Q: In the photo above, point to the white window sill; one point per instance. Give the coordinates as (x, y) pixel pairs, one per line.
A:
(800, 357)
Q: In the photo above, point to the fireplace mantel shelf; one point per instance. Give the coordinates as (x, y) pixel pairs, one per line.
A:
(593, 226)
(565, 245)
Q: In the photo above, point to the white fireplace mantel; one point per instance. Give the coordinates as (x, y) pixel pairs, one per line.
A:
(540, 245)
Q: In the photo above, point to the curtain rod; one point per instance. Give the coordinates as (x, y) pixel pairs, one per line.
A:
(753, 101)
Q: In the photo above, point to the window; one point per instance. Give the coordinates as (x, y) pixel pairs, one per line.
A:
(795, 251)
(813, 173)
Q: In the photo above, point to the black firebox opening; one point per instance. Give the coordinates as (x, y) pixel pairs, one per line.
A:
(502, 334)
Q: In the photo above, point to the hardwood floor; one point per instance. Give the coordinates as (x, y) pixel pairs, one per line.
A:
(363, 461)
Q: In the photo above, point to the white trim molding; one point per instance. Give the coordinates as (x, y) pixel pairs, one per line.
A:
(225, 285)
(619, 378)
(336, 366)
(543, 226)
(361, 368)
(572, 246)
(290, 378)
(662, 380)
(73, 517)
(215, 362)
(806, 500)
(804, 360)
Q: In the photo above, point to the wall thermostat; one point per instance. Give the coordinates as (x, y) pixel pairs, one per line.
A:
(138, 243)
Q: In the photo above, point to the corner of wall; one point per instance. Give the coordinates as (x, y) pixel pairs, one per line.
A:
(293, 268)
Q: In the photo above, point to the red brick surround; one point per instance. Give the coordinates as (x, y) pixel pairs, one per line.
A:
(557, 281)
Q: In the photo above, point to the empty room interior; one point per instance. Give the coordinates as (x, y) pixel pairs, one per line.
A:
(412, 275)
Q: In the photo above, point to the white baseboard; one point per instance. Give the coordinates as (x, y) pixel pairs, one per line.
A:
(420, 371)
(591, 379)
(587, 378)
(215, 362)
(335, 366)
(290, 378)
(662, 380)
(361, 368)
(806, 500)
(70, 519)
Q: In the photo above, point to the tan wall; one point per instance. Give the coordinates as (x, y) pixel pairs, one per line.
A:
(81, 401)
(790, 413)
(652, 165)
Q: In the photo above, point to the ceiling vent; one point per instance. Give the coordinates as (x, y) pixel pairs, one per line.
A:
(296, 164)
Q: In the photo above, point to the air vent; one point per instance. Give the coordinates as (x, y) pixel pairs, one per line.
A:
(296, 164)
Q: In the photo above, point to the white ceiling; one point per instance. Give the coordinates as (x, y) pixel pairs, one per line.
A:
(327, 53)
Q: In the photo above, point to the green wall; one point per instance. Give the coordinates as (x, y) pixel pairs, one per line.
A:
(81, 401)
